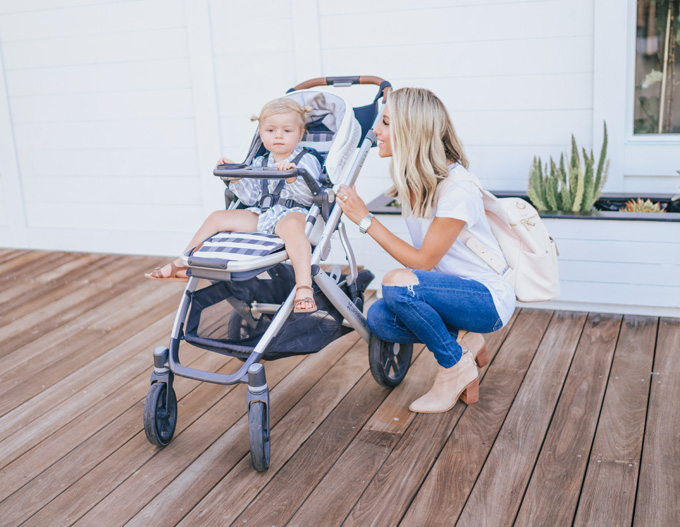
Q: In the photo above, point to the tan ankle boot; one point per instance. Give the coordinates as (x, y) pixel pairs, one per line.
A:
(461, 380)
(476, 344)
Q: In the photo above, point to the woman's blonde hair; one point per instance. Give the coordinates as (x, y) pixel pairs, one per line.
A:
(283, 105)
(424, 143)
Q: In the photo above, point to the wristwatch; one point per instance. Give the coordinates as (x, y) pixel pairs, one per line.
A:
(365, 223)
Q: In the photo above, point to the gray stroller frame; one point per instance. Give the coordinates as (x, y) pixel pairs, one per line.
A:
(388, 362)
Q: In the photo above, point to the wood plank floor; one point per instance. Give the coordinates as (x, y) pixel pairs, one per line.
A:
(577, 422)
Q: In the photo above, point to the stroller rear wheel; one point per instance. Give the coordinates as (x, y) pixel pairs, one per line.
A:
(160, 414)
(258, 424)
(388, 361)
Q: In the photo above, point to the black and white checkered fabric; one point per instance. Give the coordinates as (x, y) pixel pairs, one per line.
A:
(238, 246)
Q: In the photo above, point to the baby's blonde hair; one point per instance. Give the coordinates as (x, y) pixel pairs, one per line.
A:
(283, 105)
(423, 144)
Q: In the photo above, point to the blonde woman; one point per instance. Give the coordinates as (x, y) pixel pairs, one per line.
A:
(445, 295)
(281, 127)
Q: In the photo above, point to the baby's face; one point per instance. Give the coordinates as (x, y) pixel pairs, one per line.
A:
(281, 133)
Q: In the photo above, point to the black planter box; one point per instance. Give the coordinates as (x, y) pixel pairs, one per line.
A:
(606, 208)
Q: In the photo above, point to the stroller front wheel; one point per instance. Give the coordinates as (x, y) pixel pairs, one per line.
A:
(258, 424)
(160, 414)
(388, 361)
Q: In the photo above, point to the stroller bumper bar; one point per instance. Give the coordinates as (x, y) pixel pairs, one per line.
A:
(242, 171)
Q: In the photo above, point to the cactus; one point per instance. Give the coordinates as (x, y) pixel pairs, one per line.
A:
(574, 185)
(642, 206)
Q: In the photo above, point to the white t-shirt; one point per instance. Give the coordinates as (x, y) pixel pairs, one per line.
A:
(462, 200)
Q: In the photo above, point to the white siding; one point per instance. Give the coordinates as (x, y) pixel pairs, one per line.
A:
(620, 266)
(113, 112)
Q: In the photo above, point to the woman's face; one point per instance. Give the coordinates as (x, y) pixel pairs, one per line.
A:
(382, 132)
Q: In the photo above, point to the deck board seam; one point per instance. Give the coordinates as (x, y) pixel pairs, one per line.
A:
(597, 425)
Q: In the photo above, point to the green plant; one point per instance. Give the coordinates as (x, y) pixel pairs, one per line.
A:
(573, 186)
(639, 205)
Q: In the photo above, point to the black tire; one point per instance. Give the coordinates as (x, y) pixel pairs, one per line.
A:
(258, 425)
(239, 329)
(389, 362)
(160, 418)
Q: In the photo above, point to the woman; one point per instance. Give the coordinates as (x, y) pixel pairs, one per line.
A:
(445, 290)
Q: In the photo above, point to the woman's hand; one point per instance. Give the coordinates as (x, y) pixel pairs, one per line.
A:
(351, 204)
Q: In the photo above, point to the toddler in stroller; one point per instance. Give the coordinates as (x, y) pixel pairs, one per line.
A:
(275, 206)
(247, 310)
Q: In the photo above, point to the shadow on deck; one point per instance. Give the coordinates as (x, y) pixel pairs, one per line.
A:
(577, 422)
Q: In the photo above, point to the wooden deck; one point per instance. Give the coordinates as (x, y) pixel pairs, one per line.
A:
(577, 422)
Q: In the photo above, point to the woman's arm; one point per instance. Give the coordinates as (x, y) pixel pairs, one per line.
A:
(441, 235)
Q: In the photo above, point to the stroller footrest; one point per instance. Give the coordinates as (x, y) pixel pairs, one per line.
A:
(238, 251)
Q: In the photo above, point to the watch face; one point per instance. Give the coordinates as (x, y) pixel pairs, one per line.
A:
(365, 223)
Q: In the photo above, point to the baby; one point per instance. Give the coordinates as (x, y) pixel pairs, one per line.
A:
(281, 127)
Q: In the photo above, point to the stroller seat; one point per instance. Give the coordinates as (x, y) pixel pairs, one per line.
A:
(332, 133)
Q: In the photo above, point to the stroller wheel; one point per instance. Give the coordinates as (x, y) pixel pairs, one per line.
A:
(160, 417)
(388, 361)
(258, 422)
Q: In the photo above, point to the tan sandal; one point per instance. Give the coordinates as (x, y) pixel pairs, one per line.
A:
(309, 299)
(157, 274)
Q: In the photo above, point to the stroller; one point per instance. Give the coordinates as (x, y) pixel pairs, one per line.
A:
(247, 310)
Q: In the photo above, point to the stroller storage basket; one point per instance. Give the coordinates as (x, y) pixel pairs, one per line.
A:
(302, 334)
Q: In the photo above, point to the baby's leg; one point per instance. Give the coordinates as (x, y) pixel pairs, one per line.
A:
(291, 229)
(218, 221)
(238, 220)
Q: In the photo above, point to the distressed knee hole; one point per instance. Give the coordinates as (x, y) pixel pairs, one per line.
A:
(400, 277)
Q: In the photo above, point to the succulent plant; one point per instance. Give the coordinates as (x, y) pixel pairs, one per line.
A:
(574, 186)
(639, 205)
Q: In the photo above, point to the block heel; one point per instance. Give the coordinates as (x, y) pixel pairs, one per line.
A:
(482, 358)
(471, 394)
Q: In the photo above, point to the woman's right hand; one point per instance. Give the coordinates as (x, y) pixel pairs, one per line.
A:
(351, 204)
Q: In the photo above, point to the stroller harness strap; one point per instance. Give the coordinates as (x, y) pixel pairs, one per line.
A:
(271, 198)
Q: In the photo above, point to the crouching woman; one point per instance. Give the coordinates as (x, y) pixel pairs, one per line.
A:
(445, 295)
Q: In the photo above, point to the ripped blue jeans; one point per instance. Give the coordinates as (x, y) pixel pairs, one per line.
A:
(432, 311)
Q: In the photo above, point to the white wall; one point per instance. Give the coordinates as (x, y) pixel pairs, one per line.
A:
(113, 112)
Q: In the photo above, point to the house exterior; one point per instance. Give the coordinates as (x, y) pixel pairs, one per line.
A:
(113, 113)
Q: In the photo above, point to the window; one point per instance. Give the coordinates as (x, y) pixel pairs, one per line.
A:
(657, 73)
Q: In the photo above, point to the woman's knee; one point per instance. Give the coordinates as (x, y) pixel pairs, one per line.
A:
(400, 277)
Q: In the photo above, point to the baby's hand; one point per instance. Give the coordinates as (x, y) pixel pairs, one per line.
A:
(224, 161)
(285, 165)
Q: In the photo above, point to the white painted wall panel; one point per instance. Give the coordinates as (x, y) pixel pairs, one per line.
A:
(129, 217)
(106, 106)
(152, 75)
(91, 49)
(4, 212)
(463, 23)
(12, 6)
(95, 19)
(115, 110)
(156, 163)
(78, 191)
(361, 6)
(111, 134)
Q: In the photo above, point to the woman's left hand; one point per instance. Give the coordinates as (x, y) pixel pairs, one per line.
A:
(351, 204)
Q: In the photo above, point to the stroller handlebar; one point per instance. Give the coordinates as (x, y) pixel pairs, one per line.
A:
(345, 81)
(237, 171)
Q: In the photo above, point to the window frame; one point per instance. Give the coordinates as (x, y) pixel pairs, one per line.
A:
(613, 100)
